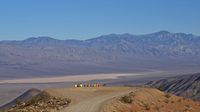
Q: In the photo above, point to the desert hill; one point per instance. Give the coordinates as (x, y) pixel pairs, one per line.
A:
(150, 100)
(184, 85)
(107, 99)
(41, 102)
(22, 98)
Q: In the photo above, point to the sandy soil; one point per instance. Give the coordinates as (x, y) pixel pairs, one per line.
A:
(151, 100)
(69, 78)
(108, 99)
(88, 99)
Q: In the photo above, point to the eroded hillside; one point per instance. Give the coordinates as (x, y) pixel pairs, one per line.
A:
(185, 85)
(150, 100)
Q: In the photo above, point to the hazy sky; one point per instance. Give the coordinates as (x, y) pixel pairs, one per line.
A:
(82, 19)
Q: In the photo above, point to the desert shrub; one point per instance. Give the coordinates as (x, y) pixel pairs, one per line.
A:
(126, 99)
(147, 106)
(167, 95)
(187, 108)
(132, 111)
(166, 101)
(161, 88)
(179, 100)
(157, 108)
(18, 102)
(132, 94)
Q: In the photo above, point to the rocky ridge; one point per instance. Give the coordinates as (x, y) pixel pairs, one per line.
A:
(41, 103)
(184, 85)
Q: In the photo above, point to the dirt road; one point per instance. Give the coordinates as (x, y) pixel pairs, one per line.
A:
(90, 99)
(92, 105)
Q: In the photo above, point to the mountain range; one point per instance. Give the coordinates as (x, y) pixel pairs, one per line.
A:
(46, 56)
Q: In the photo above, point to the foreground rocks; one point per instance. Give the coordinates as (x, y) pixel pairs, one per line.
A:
(22, 98)
(41, 103)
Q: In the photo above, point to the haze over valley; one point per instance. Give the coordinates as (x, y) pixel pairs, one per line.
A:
(114, 53)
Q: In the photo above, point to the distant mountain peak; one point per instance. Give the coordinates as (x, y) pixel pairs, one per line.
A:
(162, 32)
(40, 40)
(111, 37)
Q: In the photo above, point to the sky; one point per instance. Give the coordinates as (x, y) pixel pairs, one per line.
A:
(83, 19)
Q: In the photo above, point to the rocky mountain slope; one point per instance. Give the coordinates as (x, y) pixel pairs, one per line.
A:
(186, 85)
(107, 53)
(43, 102)
(22, 98)
(150, 100)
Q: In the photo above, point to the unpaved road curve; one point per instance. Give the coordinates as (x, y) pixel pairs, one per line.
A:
(93, 104)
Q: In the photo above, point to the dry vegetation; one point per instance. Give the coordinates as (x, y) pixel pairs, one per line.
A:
(41, 103)
(107, 99)
(150, 100)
